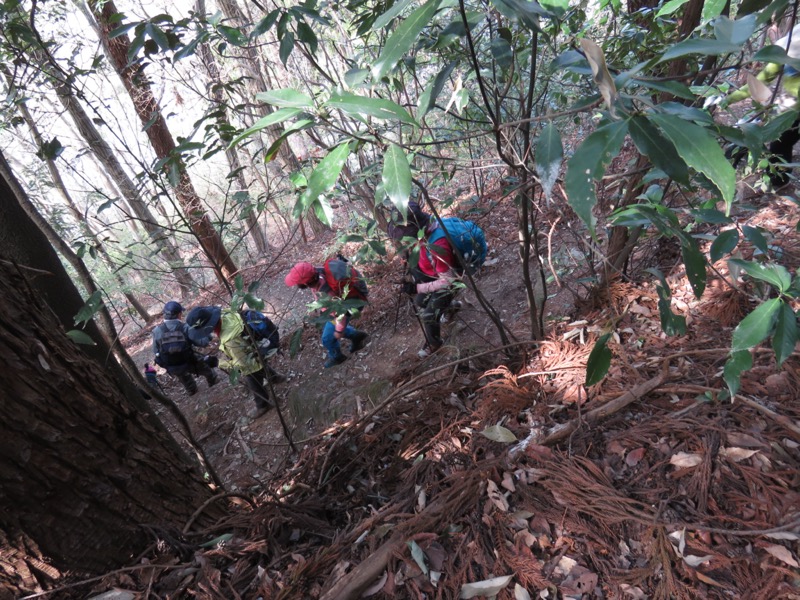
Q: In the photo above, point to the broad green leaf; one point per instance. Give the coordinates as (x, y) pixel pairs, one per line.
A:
(90, 308)
(501, 51)
(265, 24)
(712, 9)
(403, 38)
(756, 326)
(369, 107)
(771, 131)
(157, 35)
(286, 47)
(671, 323)
(675, 88)
(355, 77)
(323, 178)
(526, 11)
(695, 264)
(307, 36)
(286, 98)
(272, 151)
(428, 98)
(599, 360)
(776, 54)
(587, 164)
(549, 154)
(232, 35)
(699, 46)
(775, 275)
(786, 335)
(687, 113)
(710, 215)
(724, 244)
(737, 363)
(272, 119)
(728, 30)
(498, 433)
(701, 151)
(390, 14)
(323, 209)
(750, 6)
(80, 337)
(652, 143)
(556, 7)
(755, 237)
(397, 177)
(670, 7)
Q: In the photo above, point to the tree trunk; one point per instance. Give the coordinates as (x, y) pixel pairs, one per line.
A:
(217, 96)
(149, 112)
(84, 227)
(85, 464)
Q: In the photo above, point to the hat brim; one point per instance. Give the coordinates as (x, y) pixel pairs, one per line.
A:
(210, 316)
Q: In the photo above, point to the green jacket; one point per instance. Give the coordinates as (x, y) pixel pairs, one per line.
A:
(790, 82)
(240, 352)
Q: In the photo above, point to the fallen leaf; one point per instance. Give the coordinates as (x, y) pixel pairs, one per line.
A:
(487, 587)
(783, 554)
(736, 454)
(418, 555)
(684, 459)
(634, 456)
(708, 580)
(376, 587)
(520, 593)
(696, 561)
(498, 433)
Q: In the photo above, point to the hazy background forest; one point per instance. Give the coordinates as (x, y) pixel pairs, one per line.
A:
(155, 151)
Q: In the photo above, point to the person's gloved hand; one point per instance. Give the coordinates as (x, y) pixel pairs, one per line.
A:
(264, 344)
(410, 288)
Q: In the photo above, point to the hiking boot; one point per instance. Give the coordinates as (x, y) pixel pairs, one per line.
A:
(259, 411)
(358, 341)
(335, 360)
(213, 380)
(427, 350)
(449, 313)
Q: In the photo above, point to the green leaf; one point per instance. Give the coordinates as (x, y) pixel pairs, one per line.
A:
(307, 36)
(755, 237)
(295, 341)
(157, 36)
(286, 47)
(428, 98)
(771, 131)
(271, 119)
(232, 35)
(373, 107)
(397, 177)
(403, 38)
(80, 337)
(728, 30)
(675, 88)
(90, 308)
(323, 178)
(775, 275)
(724, 244)
(526, 11)
(695, 264)
(549, 154)
(776, 54)
(253, 301)
(737, 363)
(650, 142)
(701, 151)
(265, 24)
(785, 336)
(670, 7)
(712, 9)
(286, 98)
(671, 323)
(599, 360)
(383, 20)
(699, 46)
(322, 208)
(220, 539)
(501, 51)
(756, 326)
(588, 163)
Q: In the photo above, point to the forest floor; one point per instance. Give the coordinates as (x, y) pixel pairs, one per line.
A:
(469, 474)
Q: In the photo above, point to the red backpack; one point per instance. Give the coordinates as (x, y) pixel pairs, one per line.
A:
(340, 275)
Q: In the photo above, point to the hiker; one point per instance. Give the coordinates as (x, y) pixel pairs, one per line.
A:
(173, 351)
(151, 376)
(780, 149)
(247, 338)
(337, 279)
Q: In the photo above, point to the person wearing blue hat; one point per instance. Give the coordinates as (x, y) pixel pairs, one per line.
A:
(174, 351)
(247, 338)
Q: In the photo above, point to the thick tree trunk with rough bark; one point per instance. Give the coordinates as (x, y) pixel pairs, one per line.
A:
(149, 112)
(88, 471)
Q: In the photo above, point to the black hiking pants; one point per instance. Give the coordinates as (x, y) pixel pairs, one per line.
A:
(255, 383)
(430, 308)
(199, 368)
(782, 149)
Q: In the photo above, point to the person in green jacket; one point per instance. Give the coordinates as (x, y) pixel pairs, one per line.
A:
(786, 99)
(247, 339)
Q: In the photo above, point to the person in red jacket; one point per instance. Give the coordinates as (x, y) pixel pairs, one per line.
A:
(338, 280)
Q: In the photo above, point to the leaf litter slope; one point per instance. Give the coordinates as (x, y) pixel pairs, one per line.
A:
(645, 485)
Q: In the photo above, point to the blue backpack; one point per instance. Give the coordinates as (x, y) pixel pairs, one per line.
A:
(261, 327)
(468, 239)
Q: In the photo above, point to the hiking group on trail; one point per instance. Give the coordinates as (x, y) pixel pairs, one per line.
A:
(436, 253)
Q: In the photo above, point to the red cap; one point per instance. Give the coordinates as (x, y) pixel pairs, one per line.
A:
(303, 273)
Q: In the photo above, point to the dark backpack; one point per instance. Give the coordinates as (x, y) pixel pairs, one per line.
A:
(340, 275)
(174, 350)
(469, 241)
(260, 326)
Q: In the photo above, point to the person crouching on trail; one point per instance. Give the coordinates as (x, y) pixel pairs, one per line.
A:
(336, 279)
(247, 339)
(174, 352)
(433, 286)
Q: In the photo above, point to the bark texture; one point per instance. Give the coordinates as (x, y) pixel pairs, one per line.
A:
(84, 462)
(157, 130)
